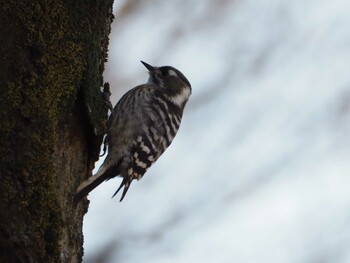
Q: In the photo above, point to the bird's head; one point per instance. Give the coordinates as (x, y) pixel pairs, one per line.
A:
(172, 80)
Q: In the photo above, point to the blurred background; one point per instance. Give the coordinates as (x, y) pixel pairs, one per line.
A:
(260, 169)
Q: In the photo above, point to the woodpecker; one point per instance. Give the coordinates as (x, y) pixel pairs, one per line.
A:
(141, 127)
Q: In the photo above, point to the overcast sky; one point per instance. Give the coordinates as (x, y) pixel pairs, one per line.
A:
(259, 171)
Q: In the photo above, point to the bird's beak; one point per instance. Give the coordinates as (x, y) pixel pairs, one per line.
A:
(148, 66)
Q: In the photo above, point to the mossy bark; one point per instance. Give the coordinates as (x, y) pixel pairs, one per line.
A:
(52, 120)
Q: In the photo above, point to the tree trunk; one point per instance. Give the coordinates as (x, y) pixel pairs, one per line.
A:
(52, 120)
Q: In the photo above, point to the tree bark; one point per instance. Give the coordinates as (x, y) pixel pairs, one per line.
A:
(52, 120)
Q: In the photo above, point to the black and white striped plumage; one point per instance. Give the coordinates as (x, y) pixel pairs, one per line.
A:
(142, 125)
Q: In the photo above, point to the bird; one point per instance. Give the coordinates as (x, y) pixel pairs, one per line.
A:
(141, 127)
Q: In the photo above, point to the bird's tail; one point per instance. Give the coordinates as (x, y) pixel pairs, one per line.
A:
(91, 183)
(126, 183)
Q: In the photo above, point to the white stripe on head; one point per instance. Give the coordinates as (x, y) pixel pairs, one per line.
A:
(172, 73)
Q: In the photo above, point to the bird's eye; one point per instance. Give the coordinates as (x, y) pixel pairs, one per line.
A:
(165, 73)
